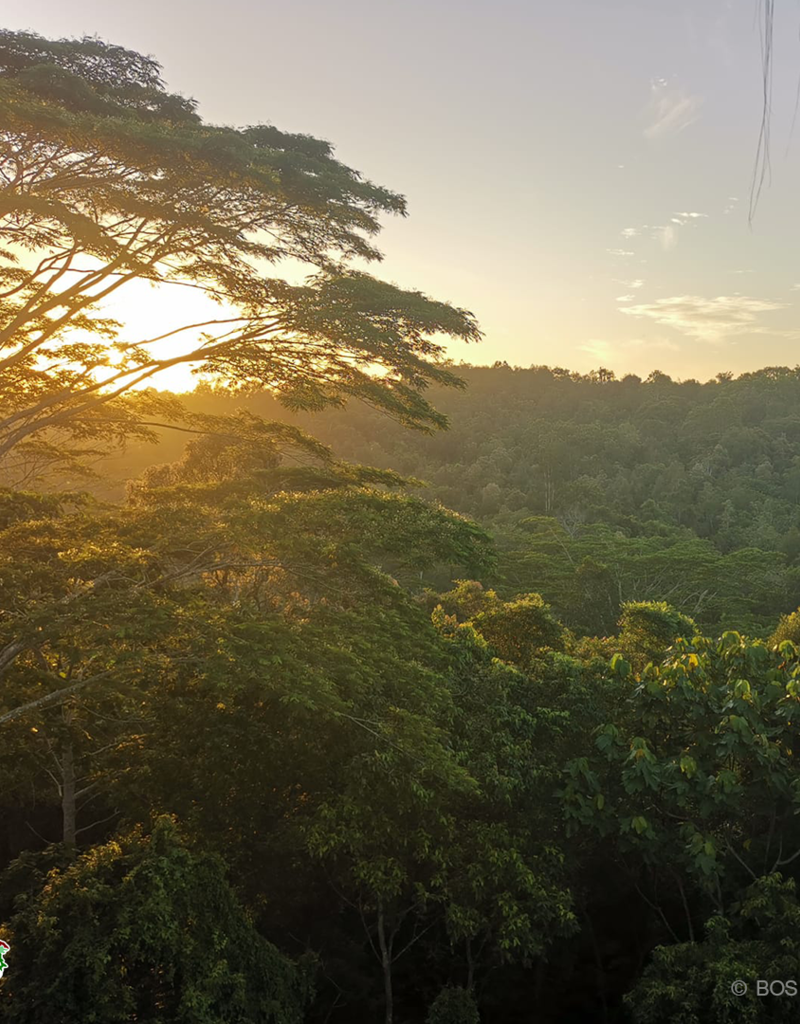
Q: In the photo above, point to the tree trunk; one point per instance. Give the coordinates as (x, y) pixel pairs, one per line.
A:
(386, 964)
(470, 967)
(686, 909)
(598, 960)
(68, 811)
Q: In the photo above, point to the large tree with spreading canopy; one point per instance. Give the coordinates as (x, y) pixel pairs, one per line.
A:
(106, 179)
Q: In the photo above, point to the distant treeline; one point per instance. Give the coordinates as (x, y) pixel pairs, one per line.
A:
(597, 490)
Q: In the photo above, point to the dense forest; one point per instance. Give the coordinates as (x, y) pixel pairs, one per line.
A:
(354, 685)
(595, 491)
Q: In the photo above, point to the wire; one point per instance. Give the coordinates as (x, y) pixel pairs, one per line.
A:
(763, 166)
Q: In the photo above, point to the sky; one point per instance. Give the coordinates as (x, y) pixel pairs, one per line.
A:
(578, 172)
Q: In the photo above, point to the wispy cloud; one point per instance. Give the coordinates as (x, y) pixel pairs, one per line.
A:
(635, 284)
(620, 252)
(671, 109)
(667, 237)
(685, 218)
(731, 204)
(625, 298)
(665, 234)
(606, 350)
(706, 319)
(598, 348)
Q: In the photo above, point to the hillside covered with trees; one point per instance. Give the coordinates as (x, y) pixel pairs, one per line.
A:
(598, 491)
(288, 738)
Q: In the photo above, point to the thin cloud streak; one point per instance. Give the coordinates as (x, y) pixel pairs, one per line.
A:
(667, 236)
(706, 319)
(606, 350)
(671, 110)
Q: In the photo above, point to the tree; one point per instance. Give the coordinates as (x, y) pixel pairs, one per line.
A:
(104, 603)
(787, 629)
(692, 982)
(107, 179)
(519, 630)
(508, 831)
(648, 628)
(454, 827)
(145, 928)
(696, 776)
(453, 1006)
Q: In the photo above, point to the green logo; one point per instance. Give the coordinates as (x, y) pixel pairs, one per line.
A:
(4, 948)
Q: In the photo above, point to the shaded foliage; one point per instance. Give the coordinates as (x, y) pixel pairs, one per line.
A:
(143, 928)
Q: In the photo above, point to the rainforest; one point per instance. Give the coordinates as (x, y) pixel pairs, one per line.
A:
(349, 682)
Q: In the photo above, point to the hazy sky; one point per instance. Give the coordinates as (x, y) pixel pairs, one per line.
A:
(578, 171)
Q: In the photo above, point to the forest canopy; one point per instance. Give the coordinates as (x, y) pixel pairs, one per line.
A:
(599, 491)
(313, 711)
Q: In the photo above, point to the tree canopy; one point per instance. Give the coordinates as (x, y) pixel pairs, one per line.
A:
(289, 736)
(107, 179)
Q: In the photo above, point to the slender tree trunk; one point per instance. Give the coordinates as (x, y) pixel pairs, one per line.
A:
(470, 967)
(686, 909)
(68, 811)
(386, 964)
